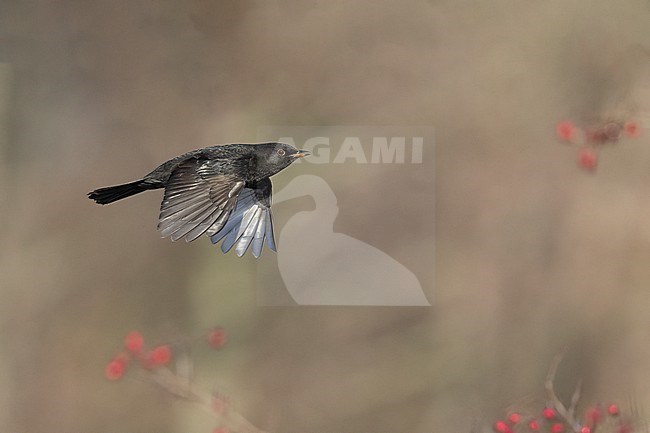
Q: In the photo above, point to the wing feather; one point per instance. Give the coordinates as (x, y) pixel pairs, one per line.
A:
(196, 198)
(250, 223)
(199, 199)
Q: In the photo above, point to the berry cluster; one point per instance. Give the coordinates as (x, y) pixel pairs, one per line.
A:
(135, 351)
(151, 362)
(155, 357)
(558, 418)
(593, 137)
(607, 419)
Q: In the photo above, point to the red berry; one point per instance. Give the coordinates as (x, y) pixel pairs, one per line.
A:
(557, 428)
(533, 425)
(632, 129)
(593, 415)
(116, 368)
(217, 338)
(501, 427)
(612, 409)
(160, 355)
(585, 429)
(587, 159)
(548, 413)
(134, 341)
(565, 130)
(514, 418)
(221, 430)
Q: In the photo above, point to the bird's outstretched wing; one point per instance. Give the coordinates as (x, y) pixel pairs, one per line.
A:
(250, 224)
(197, 200)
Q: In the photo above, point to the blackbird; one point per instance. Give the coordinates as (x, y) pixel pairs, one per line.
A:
(223, 191)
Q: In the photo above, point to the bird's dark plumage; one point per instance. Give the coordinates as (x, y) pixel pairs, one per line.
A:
(221, 191)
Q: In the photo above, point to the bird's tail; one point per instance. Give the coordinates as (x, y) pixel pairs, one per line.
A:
(117, 192)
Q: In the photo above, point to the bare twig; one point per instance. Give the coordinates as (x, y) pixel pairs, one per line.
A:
(575, 399)
(567, 414)
(181, 388)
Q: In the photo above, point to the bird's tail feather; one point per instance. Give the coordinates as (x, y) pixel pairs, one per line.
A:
(110, 194)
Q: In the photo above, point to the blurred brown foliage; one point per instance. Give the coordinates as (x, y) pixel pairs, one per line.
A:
(532, 254)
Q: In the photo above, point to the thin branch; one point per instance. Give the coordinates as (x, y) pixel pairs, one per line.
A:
(567, 414)
(575, 399)
(183, 389)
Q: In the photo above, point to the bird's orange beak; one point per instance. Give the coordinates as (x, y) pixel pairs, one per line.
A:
(301, 153)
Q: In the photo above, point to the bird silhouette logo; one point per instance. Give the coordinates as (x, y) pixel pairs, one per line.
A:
(335, 268)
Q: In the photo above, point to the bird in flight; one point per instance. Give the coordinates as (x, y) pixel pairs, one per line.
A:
(222, 191)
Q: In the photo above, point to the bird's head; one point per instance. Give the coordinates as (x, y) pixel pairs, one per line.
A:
(273, 157)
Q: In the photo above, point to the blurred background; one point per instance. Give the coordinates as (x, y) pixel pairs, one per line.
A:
(532, 254)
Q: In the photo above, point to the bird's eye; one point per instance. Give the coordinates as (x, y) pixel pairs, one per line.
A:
(281, 152)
